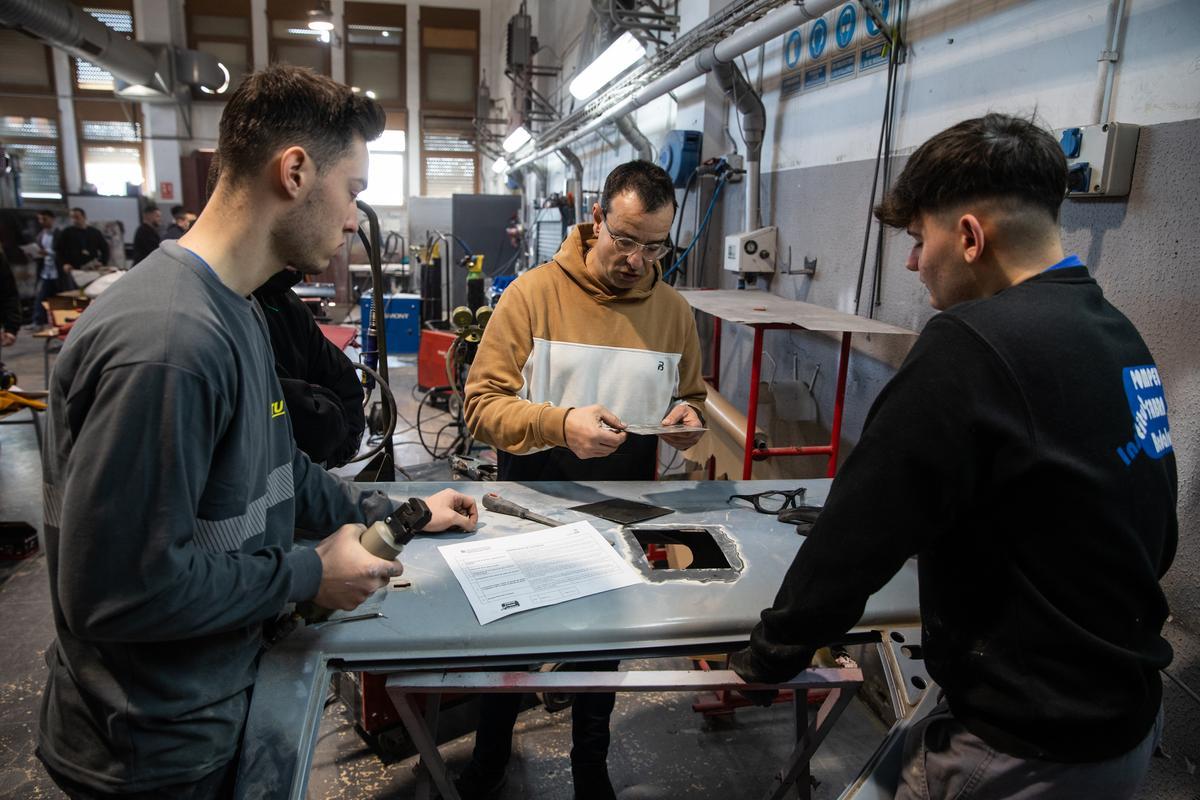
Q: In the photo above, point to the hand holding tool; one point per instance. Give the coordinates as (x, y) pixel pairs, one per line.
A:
(385, 539)
(494, 502)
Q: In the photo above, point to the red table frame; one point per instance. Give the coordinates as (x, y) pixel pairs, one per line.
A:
(752, 453)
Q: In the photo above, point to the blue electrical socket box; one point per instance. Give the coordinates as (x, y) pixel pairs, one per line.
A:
(401, 319)
(680, 155)
(1071, 139)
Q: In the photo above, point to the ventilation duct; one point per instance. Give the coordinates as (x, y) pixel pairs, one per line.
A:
(143, 72)
(635, 137)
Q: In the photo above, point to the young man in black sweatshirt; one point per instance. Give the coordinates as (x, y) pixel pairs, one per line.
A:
(172, 482)
(1022, 453)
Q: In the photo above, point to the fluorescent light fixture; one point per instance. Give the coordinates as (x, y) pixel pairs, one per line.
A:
(618, 57)
(517, 139)
(500, 165)
(371, 94)
(320, 19)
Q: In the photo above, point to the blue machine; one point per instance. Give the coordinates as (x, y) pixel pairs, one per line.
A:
(401, 318)
(680, 155)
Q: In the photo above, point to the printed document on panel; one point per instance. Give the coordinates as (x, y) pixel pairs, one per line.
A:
(511, 574)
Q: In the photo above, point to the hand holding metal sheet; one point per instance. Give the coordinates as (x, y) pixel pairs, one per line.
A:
(685, 427)
(593, 431)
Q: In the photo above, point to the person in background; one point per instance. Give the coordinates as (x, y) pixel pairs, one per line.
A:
(179, 223)
(48, 273)
(320, 384)
(80, 246)
(147, 239)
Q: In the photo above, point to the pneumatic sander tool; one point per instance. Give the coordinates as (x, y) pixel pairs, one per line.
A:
(384, 539)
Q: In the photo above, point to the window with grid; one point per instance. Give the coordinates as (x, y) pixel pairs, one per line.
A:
(110, 145)
(375, 53)
(88, 76)
(221, 28)
(449, 84)
(291, 41)
(29, 135)
(449, 59)
(449, 162)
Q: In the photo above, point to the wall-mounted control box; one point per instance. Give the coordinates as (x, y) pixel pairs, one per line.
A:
(1099, 159)
(751, 251)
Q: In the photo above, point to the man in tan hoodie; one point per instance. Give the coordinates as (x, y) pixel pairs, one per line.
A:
(577, 349)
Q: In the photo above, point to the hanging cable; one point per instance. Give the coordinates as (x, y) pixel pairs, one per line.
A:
(885, 124)
(707, 216)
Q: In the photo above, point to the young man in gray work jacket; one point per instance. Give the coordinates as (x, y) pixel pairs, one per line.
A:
(172, 482)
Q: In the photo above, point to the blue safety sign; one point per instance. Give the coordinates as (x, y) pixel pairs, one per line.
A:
(793, 84)
(847, 24)
(793, 48)
(818, 38)
(885, 8)
(816, 77)
(842, 67)
(873, 56)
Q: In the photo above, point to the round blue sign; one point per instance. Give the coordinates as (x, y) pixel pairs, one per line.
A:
(846, 23)
(884, 8)
(818, 37)
(792, 48)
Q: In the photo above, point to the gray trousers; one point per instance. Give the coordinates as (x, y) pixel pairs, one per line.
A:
(945, 761)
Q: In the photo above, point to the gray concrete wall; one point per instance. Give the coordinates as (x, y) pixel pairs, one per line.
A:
(1142, 249)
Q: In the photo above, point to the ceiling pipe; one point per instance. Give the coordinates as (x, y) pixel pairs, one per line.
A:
(572, 160)
(633, 135)
(740, 41)
(71, 29)
(754, 125)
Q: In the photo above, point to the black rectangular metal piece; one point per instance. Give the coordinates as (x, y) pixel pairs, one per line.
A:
(625, 512)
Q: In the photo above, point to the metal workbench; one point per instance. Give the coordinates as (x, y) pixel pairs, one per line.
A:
(431, 626)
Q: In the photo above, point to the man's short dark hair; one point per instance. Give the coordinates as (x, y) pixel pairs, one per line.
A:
(45, 212)
(80, 212)
(282, 106)
(995, 156)
(177, 212)
(647, 180)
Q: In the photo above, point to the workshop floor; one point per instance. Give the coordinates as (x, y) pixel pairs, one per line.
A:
(660, 749)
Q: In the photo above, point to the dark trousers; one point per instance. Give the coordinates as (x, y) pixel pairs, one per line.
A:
(589, 726)
(46, 287)
(632, 461)
(216, 785)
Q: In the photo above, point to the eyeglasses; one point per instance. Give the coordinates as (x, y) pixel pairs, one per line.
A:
(772, 502)
(627, 247)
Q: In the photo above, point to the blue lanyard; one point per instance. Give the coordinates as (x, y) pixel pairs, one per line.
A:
(1070, 261)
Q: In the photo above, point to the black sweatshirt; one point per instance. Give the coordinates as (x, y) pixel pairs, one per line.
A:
(80, 246)
(320, 384)
(1022, 453)
(10, 299)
